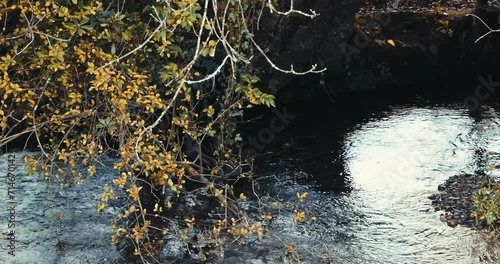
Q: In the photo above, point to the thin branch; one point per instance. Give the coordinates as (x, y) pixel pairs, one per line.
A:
(290, 11)
(187, 68)
(157, 29)
(50, 36)
(486, 25)
(157, 121)
(213, 74)
(291, 71)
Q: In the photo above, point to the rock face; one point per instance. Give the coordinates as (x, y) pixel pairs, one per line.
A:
(303, 42)
(367, 46)
(426, 45)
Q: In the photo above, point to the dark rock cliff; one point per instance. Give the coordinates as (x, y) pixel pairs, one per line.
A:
(304, 42)
(366, 46)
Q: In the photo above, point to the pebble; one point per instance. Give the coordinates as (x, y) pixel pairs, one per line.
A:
(452, 223)
(454, 197)
(442, 218)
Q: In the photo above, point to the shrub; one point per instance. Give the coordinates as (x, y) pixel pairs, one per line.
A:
(157, 84)
(487, 206)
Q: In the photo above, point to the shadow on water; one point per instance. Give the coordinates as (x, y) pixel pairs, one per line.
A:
(316, 137)
(369, 164)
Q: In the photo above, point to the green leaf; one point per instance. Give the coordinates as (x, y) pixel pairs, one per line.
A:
(205, 52)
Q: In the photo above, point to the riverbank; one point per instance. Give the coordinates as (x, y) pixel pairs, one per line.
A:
(455, 199)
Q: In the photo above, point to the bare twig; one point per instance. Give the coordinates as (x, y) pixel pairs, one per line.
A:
(290, 11)
(486, 25)
(291, 71)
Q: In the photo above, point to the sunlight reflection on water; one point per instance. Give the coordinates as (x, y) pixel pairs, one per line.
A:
(393, 163)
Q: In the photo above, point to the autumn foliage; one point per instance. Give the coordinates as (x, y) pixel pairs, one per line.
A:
(156, 84)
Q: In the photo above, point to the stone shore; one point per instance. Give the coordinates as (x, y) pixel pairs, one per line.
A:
(455, 199)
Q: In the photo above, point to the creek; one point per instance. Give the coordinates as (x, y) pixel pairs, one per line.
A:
(369, 167)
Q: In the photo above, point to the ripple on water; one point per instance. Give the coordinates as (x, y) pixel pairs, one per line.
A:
(55, 226)
(394, 162)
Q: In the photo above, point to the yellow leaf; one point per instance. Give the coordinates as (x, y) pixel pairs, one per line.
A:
(268, 216)
(100, 207)
(184, 233)
(189, 222)
(443, 22)
(134, 192)
(391, 42)
(91, 170)
(242, 196)
(210, 111)
(299, 216)
(75, 1)
(301, 196)
(205, 52)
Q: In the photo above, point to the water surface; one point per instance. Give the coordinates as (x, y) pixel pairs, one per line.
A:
(369, 175)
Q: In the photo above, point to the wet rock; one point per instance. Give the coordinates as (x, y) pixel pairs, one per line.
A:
(442, 218)
(455, 198)
(452, 223)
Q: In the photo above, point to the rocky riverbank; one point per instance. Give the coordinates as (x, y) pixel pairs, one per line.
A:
(454, 198)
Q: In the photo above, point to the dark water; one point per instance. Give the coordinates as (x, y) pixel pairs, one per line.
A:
(369, 168)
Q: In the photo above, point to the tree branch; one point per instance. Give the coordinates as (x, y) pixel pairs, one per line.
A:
(486, 25)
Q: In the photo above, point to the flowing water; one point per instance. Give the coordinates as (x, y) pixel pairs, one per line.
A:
(368, 169)
(43, 224)
(369, 172)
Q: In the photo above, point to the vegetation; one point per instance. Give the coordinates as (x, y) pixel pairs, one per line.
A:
(157, 84)
(487, 206)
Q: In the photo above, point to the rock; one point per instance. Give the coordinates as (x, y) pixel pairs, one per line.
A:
(454, 198)
(303, 41)
(442, 218)
(452, 223)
